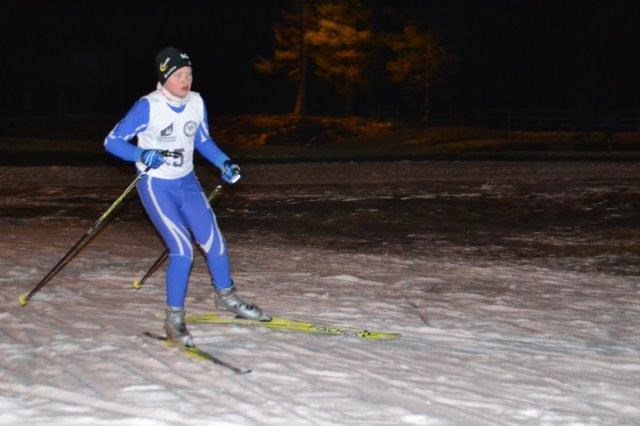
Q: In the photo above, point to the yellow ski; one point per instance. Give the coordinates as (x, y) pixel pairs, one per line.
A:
(279, 323)
(196, 352)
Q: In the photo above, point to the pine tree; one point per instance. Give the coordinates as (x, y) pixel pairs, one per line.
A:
(290, 53)
(420, 61)
(341, 46)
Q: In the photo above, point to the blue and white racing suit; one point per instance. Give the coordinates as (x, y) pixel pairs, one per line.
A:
(171, 194)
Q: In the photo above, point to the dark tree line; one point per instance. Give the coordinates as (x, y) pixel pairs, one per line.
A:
(334, 41)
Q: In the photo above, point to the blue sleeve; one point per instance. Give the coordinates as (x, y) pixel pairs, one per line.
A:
(136, 120)
(206, 146)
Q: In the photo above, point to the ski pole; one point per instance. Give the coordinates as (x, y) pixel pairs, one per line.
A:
(24, 298)
(160, 260)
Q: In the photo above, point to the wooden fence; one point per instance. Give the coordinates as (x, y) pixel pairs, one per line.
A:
(538, 119)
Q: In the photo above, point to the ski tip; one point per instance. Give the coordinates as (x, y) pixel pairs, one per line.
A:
(23, 299)
(137, 284)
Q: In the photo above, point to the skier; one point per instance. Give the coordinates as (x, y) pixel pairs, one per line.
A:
(169, 123)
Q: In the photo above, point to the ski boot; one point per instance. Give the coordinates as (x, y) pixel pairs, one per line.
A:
(176, 328)
(227, 298)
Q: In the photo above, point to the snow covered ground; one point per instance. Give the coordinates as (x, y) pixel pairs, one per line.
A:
(515, 287)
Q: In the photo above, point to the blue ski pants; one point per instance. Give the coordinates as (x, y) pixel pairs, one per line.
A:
(181, 213)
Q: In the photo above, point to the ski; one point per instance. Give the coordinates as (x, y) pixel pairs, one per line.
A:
(279, 323)
(199, 353)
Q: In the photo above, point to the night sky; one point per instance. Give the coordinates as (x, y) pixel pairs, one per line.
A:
(96, 57)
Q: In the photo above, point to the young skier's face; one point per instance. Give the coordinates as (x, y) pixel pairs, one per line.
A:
(179, 83)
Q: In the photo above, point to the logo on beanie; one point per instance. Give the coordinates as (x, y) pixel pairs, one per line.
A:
(164, 64)
(190, 128)
(171, 70)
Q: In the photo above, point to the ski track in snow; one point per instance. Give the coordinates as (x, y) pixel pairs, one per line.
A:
(535, 324)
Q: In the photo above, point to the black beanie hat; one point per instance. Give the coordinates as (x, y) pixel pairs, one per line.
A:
(168, 61)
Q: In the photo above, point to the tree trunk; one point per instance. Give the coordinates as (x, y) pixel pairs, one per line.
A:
(348, 99)
(298, 110)
(301, 99)
(426, 102)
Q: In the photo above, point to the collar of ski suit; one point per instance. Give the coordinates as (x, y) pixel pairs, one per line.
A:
(172, 100)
